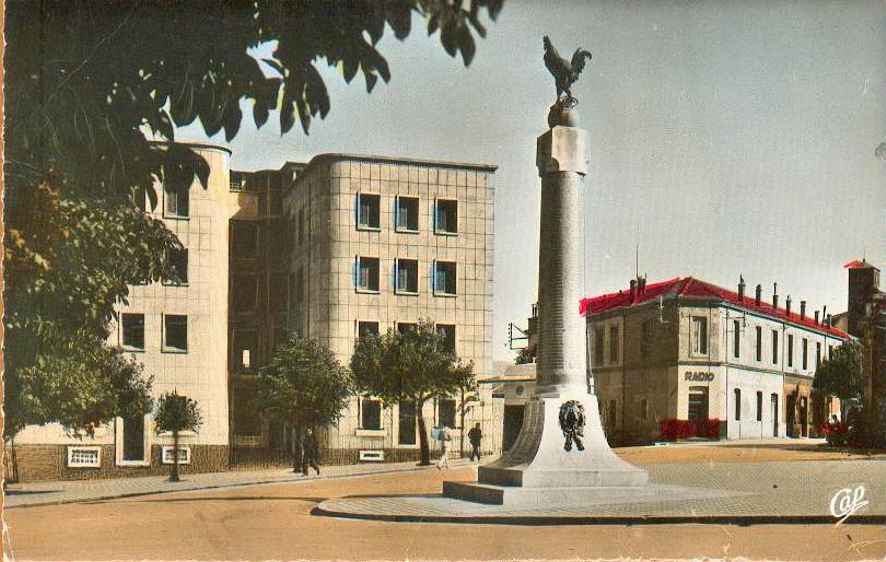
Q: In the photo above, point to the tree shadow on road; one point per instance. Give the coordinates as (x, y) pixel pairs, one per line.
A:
(216, 499)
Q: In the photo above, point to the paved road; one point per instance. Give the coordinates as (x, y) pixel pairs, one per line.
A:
(274, 522)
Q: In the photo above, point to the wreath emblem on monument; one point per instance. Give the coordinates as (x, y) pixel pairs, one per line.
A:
(572, 423)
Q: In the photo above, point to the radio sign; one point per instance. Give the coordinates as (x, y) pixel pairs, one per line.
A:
(698, 376)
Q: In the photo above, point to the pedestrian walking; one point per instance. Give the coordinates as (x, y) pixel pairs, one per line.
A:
(445, 438)
(475, 436)
(310, 452)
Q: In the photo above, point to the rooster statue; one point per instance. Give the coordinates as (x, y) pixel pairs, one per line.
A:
(564, 72)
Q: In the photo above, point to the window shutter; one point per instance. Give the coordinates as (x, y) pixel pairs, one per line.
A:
(396, 213)
(434, 214)
(395, 285)
(433, 276)
(356, 270)
(357, 209)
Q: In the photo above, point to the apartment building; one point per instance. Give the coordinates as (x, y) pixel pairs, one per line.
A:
(685, 349)
(179, 333)
(337, 247)
(378, 243)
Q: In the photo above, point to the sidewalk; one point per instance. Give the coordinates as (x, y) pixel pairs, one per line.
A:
(72, 491)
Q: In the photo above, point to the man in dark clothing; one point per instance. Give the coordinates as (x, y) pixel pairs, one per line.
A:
(475, 435)
(310, 452)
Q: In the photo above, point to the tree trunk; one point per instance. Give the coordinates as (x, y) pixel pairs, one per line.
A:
(423, 435)
(174, 476)
(14, 476)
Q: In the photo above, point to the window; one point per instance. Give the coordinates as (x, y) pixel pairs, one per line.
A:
(805, 354)
(140, 198)
(245, 348)
(790, 350)
(175, 332)
(370, 414)
(368, 211)
(613, 344)
(647, 335)
(406, 276)
(244, 293)
(759, 406)
(177, 202)
(446, 217)
(817, 354)
(698, 402)
(598, 347)
(366, 274)
(736, 339)
(133, 332)
(759, 332)
(612, 417)
(301, 226)
(406, 327)
(244, 239)
(184, 454)
(644, 407)
(277, 294)
(737, 405)
(699, 335)
(365, 329)
(178, 263)
(300, 285)
(406, 219)
(446, 409)
(775, 347)
(238, 181)
(134, 438)
(245, 405)
(84, 457)
(448, 333)
(406, 423)
(444, 278)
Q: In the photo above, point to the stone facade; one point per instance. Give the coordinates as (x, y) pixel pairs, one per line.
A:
(685, 349)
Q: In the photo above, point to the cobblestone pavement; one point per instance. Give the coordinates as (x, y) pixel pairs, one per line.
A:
(71, 491)
(713, 490)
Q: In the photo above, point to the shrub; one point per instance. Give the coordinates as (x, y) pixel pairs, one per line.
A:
(673, 429)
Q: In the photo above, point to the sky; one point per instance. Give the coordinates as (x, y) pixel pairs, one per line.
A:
(726, 138)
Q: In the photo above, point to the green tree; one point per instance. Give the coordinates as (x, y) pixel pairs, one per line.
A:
(89, 87)
(303, 386)
(176, 413)
(841, 376)
(413, 366)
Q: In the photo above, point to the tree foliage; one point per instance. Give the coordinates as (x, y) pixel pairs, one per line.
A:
(176, 413)
(98, 383)
(841, 374)
(412, 366)
(90, 86)
(303, 386)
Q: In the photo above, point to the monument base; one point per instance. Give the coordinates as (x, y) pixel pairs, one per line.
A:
(545, 466)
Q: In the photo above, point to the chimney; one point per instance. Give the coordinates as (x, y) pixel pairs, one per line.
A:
(802, 309)
(759, 294)
(741, 288)
(816, 317)
(641, 284)
(775, 295)
(829, 321)
(787, 305)
(824, 313)
(633, 289)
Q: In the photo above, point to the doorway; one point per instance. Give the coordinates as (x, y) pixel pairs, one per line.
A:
(804, 416)
(513, 421)
(134, 439)
(698, 403)
(773, 411)
(791, 415)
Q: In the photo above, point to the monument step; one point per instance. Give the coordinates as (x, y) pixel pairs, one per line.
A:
(547, 497)
(603, 477)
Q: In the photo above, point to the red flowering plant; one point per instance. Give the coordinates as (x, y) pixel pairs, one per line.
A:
(836, 434)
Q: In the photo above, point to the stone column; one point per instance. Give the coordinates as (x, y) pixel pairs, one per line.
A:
(561, 158)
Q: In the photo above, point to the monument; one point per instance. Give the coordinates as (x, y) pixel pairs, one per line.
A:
(561, 456)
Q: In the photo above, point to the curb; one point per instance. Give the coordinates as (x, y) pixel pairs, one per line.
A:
(223, 486)
(559, 520)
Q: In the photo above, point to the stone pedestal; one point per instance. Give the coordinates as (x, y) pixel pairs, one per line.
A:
(547, 465)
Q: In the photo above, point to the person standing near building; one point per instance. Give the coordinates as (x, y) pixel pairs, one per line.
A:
(310, 452)
(445, 438)
(475, 436)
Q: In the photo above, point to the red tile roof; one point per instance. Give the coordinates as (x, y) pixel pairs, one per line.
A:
(859, 264)
(694, 288)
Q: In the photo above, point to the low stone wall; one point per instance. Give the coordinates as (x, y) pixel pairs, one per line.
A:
(49, 462)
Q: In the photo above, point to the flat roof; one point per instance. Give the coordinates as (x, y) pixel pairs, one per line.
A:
(337, 156)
